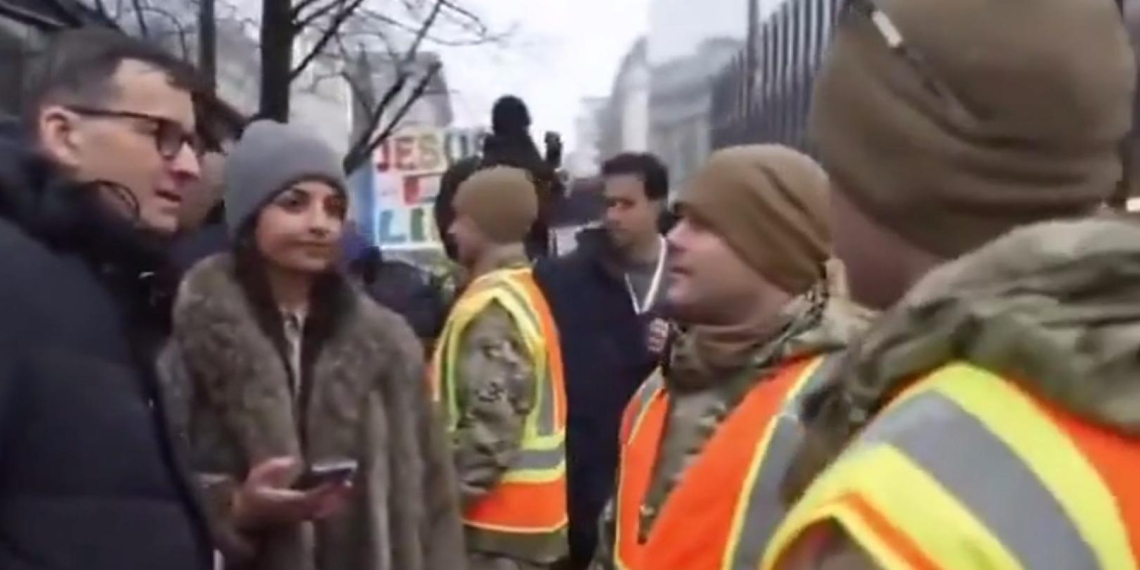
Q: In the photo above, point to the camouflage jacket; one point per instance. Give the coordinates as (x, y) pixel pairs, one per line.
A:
(494, 376)
(1055, 306)
(495, 381)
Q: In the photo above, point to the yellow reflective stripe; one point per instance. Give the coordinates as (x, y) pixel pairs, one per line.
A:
(1046, 506)
(759, 508)
(523, 315)
(902, 492)
(537, 349)
(1049, 453)
(541, 456)
(545, 475)
(540, 423)
(1010, 500)
(556, 527)
(465, 310)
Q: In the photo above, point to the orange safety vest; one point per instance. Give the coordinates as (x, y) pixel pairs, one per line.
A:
(531, 495)
(726, 504)
(965, 469)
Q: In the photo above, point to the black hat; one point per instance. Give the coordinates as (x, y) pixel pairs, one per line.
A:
(510, 116)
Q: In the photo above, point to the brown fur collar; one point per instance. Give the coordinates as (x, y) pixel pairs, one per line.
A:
(227, 332)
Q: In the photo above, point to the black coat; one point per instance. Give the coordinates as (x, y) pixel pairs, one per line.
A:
(186, 251)
(410, 292)
(88, 476)
(604, 350)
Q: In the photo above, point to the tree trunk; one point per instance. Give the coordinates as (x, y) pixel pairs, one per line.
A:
(277, 34)
(208, 44)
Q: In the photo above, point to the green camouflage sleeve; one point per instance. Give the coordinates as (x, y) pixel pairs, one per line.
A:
(495, 384)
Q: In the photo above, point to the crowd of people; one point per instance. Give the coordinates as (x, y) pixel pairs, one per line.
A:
(919, 352)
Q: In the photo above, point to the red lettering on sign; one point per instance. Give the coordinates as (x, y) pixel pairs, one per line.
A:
(405, 153)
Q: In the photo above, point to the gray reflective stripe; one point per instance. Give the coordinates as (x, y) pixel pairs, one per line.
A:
(765, 509)
(987, 478)
(539, 459)
(545, 422)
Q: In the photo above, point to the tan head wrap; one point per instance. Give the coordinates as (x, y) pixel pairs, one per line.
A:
(502, 201)
(770, 204)
(951, 122)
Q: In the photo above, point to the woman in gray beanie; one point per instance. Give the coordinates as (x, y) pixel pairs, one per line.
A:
(310, 427)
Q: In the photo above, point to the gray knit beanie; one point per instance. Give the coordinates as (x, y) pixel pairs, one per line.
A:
(269, 158)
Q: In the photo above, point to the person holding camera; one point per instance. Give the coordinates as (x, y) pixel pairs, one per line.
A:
(310, 426)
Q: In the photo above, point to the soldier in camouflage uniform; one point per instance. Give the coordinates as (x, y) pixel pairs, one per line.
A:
(749, 281)
(497, 373)
(1040, 323)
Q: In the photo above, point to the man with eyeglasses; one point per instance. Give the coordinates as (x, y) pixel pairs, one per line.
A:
(991, 418)
(89, 192)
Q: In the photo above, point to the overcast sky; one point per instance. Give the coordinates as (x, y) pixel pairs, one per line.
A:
(560, 52)
(563, 50)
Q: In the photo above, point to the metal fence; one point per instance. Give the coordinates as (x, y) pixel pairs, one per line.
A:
(764, 93)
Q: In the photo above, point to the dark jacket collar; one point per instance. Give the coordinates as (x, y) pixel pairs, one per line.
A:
(596, 249)
(68, 219)
(67, 216)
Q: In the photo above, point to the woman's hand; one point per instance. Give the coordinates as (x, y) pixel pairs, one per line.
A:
(266, 499)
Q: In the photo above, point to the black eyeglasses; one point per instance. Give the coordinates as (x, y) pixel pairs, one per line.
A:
(169, 136)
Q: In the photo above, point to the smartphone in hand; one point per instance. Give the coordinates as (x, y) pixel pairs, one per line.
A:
(324, 472)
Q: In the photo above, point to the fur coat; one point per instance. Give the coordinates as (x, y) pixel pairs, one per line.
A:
(363, 397)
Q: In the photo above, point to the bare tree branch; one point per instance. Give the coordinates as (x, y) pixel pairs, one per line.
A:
(327, 35)
(366, 142)
(143, 29)
(359, 93)
(304, 5)
(27, 16)
(465, 14)
(479, 36)
(415, 47)
(179, 27)
(358, 152)
(302, 23)
(354, 160)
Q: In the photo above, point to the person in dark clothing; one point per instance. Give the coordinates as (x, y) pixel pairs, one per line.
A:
(200, 243)
(201, 220)
(89, 477)
(509, 144)
(404, 288)
(607, 300)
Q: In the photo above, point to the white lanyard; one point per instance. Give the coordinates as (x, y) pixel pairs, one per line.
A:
(651, 294)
